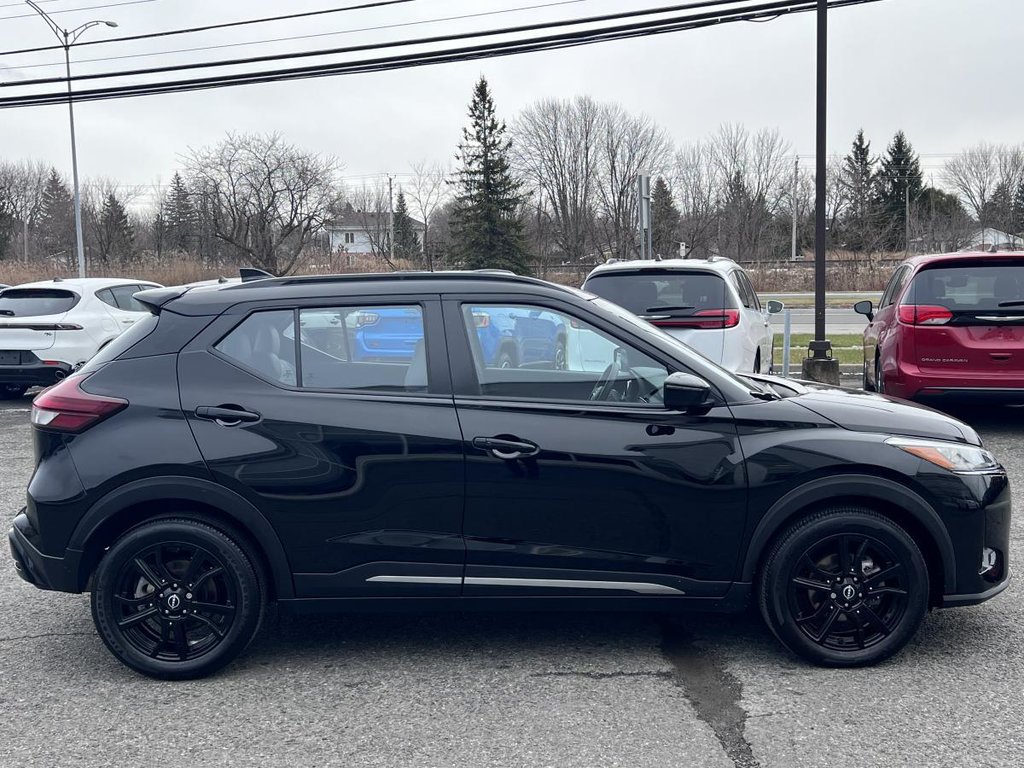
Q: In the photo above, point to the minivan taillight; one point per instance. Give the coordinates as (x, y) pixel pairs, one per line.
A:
(706, 319)
(66, 407)
(924, 314)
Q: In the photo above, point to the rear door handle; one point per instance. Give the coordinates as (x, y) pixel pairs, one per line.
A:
(226, 416)
(506, 449)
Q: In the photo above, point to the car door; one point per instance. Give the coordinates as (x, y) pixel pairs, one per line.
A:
(880, 336)
(760, 324)
(119, 303)
(579, 481)
(357, 464)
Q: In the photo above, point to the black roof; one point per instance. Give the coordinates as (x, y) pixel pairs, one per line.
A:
(214, 299)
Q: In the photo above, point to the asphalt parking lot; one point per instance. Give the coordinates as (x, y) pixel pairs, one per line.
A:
(512, 690)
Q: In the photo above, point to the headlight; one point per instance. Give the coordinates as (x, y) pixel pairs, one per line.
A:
(956, 457)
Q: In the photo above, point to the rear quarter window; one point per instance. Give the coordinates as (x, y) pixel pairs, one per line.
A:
(122, 343)
(35, 302)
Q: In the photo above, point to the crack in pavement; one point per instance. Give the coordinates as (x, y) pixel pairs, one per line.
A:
(603, 675)
(712, 690)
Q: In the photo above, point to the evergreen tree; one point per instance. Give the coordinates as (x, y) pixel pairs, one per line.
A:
(900, 174)
(999, 209)
(1018, 211)
(407, 244)
(180, 218)
(56, 222)
(115, 236)
(858, 178)
(487, 230)
(664, 221)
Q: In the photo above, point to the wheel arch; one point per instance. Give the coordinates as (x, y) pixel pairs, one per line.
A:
(152, 498)
(887, 497)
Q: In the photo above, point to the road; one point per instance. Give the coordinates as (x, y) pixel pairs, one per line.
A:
(511, 690)
(836, 321)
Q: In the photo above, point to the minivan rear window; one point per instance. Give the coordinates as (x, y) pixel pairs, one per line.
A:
(990, 287)
(675, 292)
(34, 302)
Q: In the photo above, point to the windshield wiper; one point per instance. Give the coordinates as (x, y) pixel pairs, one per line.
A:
(668, 309)
(1014, 303)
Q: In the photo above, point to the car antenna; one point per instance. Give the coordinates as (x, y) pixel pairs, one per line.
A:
(249, 274)
(222, 279)
(58, 279)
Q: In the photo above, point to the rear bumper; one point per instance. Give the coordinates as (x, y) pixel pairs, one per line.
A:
(34, 374)
(43, 571)
(986, 386)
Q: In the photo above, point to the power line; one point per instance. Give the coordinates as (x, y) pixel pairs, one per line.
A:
(206, 28)
(72, 10)
(311, 36)
(779, 6)
(470, 53)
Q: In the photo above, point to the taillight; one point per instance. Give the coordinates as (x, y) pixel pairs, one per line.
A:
(66, 407)
(705, 319)
(923, 314)
(367, 318)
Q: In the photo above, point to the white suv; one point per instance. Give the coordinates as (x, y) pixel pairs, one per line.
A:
(708, 304)
(47, 329)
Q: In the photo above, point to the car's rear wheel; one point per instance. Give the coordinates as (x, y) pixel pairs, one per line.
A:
(866, 384)
(879, 376)
(845, 587)
(12, 391)
(757, 362)
(177, 598)
(506, 359)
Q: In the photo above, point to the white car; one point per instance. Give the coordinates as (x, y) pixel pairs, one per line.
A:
(47, 329)
(709, 305)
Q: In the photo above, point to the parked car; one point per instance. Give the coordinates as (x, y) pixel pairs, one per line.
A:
(49, 328)
(708, 304)
(949, 327)
(263, 468)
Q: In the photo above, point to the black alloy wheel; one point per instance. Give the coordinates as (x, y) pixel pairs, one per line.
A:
(177, 599)
(846, 587)
(757, 362)
(506, 360)
(879, 376)
(866, 384)
(561, 359)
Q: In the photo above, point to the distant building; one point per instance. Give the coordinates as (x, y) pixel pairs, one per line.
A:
(989, 238)
(357, 232)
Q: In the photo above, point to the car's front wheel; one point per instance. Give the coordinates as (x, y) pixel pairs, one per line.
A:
(844, 587)
(177, 598)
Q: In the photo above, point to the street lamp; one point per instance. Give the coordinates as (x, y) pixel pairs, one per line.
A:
(67, 39)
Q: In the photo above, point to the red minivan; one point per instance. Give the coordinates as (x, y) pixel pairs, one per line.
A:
(949, 326)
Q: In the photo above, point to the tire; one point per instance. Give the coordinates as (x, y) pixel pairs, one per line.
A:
(828, 615)
(176, 629)
(757, 362)
(879, 376)
(12, 391)
(505, 359)
(561, 359)
(866, 385)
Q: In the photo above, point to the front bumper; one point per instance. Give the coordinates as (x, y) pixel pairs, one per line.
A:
(43, 571)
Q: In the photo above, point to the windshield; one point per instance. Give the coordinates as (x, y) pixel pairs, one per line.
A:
(33, 302)
(674, 293)
(985, 287)
(661, 339)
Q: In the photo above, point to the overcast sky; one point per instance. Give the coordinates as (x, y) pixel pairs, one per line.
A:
(946, 71)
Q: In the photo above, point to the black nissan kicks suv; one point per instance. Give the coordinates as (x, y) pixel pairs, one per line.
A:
(245, 444)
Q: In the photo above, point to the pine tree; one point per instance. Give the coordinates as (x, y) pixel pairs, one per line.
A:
(487, 230)
(858, 178)
(664, 221)
(407, 244)
(1018, 211)
(179, 217)
(56, 222)
(115, 236)
(900, 174)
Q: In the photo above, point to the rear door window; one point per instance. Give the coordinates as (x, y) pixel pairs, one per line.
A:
(892, 290)
(264, 344)
(675, 293)
(35, 302)
(123, 294)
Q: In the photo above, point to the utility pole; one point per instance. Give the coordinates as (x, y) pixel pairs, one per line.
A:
(391, 222)
(906, 215)
(819, 365)
(796, 181)
(643, 207)
(67, 39)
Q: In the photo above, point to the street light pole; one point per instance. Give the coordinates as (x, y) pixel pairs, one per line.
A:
(67, 39)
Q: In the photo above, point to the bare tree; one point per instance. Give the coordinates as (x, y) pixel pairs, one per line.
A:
(371, 207)
(557, 152)
(428, 191)
(978, 173)
(24, 182)
(694, 185)
(271, 197)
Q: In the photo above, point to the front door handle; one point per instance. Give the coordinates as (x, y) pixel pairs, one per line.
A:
(226, 416)
(506, 449)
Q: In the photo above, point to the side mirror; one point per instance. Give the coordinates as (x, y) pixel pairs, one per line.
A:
(774, 307)
(865, 308)
(684, 392)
